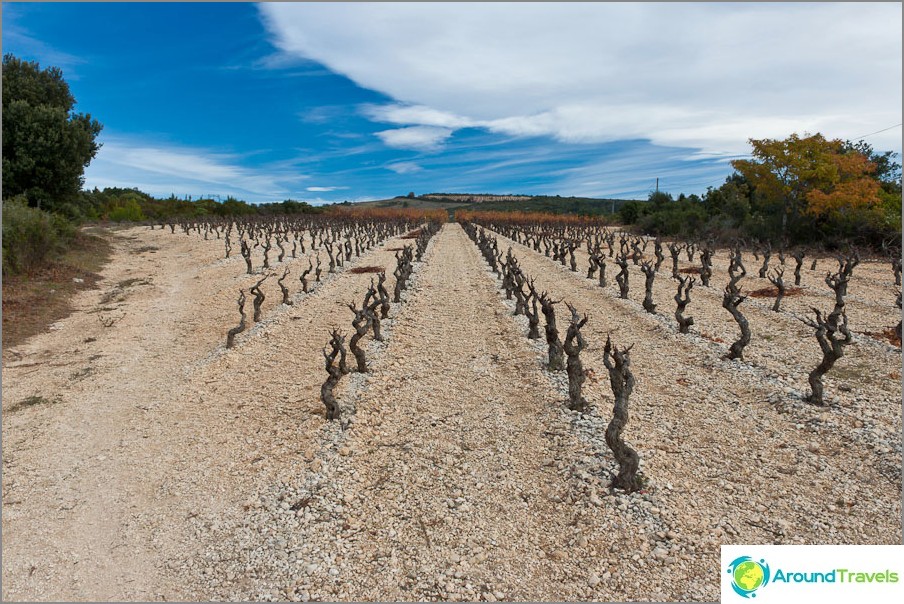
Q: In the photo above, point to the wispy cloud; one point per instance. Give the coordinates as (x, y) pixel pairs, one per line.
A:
(396, 113)
(421, 138)
(14, 34)
(164, 169)
(324, 189)
(404, 167)
(697, 75)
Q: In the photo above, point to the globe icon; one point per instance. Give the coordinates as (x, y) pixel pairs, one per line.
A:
(748, 575)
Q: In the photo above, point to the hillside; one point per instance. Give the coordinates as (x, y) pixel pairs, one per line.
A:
(503, 203)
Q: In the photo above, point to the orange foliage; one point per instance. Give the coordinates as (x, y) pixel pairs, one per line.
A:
(410, 214)
(854, 186)
(811, 174)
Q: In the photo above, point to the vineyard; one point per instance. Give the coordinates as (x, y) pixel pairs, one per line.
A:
(383, 405)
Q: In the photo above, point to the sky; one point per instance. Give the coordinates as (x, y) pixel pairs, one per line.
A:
(328, 102)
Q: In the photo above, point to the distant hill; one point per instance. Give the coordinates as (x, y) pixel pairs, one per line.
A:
(503, 203)
(418, 203)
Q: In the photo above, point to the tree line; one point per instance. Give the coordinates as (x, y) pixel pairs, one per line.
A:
(799, 190)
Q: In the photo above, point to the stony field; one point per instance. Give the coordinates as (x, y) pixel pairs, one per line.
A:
(144, 461)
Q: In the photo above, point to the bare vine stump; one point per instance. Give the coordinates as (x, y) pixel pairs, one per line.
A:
(317, 270)
(335, 372)
(776, 280)
(798, 256)
(622, 277)
(618, 362)
(531, 312)
(533, 319)
(690, 248)
(371, 303)
(556, 361)
(767, 253)
(675, 251)
(230, 336)
(284, 289)
(398, 273)
(898, 304)
(574, 344)
(682, 299)
(329, 252)
(259, 298)
(706, 264)
(657, 251)
(591, 270)
(266, 248)
(602, 266)
(384, 295)
(362, 324)
(636, 254)
(650, 273)
(833, 335)
(304, 276)
(730, 302)
(838, 282)
(246, 254)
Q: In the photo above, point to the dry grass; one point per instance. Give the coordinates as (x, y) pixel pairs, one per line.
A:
(32, 302)
(888, 335)
(693, 270)
(32, 401)
(772, 291)
(359, 270)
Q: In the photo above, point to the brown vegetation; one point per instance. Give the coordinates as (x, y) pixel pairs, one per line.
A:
(32, 302)
(360, 270)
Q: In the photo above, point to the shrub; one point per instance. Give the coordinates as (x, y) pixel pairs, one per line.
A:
(125, 210)
(31, 236)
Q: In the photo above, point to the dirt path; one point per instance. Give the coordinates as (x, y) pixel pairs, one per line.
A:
(100, 483)
(453, 446)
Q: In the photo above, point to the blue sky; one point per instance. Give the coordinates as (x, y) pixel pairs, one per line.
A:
(342, 101)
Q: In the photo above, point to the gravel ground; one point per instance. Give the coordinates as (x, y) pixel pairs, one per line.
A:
(171, 468)
(150, 421)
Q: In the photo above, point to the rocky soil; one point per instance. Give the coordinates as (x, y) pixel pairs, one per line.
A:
(158, 465)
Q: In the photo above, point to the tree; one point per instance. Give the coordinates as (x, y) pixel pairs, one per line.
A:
(809, 176)
(46, 146)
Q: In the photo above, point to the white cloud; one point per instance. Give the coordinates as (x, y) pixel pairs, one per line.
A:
(422, 138)
(163, 169)
(404, 167)
(697, 75)
(415, 114)
(324, 189)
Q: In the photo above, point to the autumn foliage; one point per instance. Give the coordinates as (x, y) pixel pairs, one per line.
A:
(543, 218)
(810, 175)
(409, 214)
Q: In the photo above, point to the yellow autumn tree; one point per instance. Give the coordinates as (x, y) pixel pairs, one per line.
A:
(810, 175)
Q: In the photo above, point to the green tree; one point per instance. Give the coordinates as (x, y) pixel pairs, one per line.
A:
(46, 145)
(660, 199)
